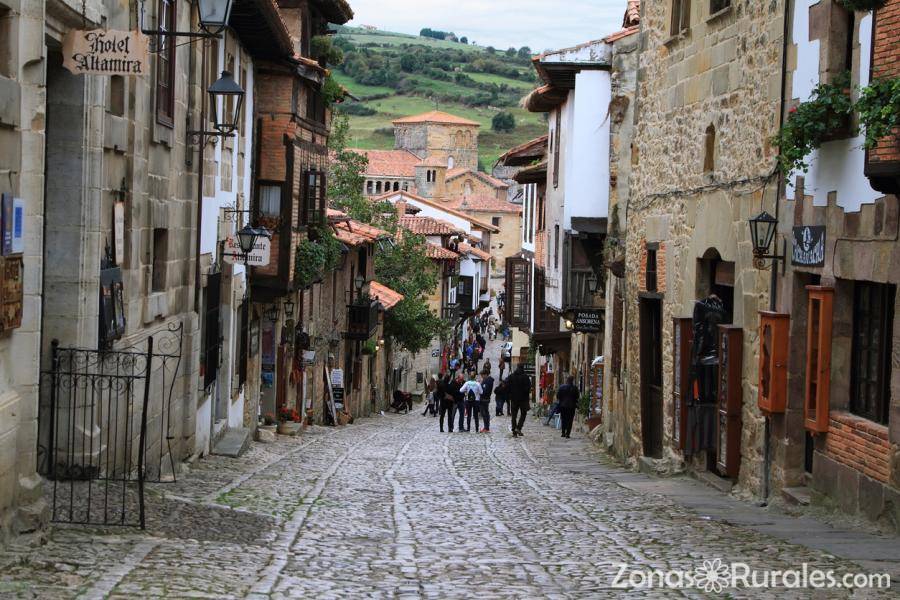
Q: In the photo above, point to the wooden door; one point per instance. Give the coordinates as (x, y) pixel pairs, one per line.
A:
(651, 376)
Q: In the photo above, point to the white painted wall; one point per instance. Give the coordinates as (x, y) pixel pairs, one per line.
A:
(587, 160)
(529, 216)
(837, 166)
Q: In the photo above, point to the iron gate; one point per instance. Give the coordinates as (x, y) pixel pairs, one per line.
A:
(105, 428)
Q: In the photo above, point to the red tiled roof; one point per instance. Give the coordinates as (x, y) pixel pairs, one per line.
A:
(353, 232)
(437, 116)
(336, 11)
(395, 163)
(478, 252)
(488, 179)
(439, 252)
(440, 206)
(428, 226)
(385, 295)
(535, 147)
(484, 203)
(432, 161)
(622, 33)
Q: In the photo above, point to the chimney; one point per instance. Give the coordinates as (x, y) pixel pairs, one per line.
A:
(400, 205)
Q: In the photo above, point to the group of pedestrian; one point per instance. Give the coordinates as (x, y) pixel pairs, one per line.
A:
(462, 399)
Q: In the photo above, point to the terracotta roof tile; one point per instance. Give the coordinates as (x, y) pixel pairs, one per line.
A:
(632, 13)
(428, 226)
(440, 206)
(531, 148)
(488, 179)
(396, 163)
(477, 252)
(439, 252)
(622, 33)
(437, 116)
(385, 295)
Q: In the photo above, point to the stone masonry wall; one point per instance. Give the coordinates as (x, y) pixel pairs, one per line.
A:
(725, 72)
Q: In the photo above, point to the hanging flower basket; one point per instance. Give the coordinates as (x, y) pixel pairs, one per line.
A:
(879, 109)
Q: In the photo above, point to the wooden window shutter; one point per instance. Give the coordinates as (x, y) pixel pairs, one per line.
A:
(682, 341)
(818, 358)
(304, 195)
(773, 359)
(212, 335)
(730, 400)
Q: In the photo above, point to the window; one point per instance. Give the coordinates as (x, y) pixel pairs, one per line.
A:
(370, 188)
(650, 273)
(165, 65)
(450, 162)
(315, 105)
(313, 196)
(117, 95)
(6, 47)
(212, 337)
(718, 5)
(270, 200)
(681, 16)
(495, 221)
(709, 156)
(160, 259)
(556, 147)
(518, 286)
(556, 246)
(870, 373)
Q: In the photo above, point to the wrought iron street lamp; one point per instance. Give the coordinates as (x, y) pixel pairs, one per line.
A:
(593, 283)
(289, 309)
(232, 96)
(214, 15)
(271, 313)
(762, 232)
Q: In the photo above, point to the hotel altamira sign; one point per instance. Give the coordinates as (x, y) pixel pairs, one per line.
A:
(106, 52)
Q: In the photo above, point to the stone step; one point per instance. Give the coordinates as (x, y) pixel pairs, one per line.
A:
(713, 480)
(233, 443)
(798, 496)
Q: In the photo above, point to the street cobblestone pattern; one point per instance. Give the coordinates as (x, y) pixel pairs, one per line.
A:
(389, 507)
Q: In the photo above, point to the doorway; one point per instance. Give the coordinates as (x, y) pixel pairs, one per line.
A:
(651, 376)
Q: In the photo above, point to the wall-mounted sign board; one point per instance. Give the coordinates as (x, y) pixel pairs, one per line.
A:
(106, 52)
(258, 257)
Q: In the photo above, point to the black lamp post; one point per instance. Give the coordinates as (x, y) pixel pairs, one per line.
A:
(762, 232)
(226, 88)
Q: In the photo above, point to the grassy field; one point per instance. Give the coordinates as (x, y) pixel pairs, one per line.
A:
(375, 131)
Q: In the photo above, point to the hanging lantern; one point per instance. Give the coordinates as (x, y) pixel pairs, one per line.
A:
(214, 15)
(762, 232)
(232, 95)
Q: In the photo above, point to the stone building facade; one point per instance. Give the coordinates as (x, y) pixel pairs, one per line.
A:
(452, 139)
(708, 103)
(836, 418)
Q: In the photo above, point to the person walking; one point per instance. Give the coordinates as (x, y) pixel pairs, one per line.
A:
(430, 402)
(567, 400)
(487, 388)
(471, 391)
(500, 394)
(446, 402)
(459, 399)
(519, 385)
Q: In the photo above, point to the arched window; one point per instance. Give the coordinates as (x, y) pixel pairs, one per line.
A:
(709, 155)
(405, 186)
(468, 188)
(396, 186)
(370, 187)
(377, 187)
(450, 163)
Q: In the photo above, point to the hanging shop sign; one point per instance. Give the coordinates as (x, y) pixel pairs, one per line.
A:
(258, 257)
(588, 320)
(112, 306)
(808, 246)
(106, 52)
(11, 292)
(119, 231)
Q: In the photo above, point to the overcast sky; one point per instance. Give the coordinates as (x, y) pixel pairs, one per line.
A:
(538, 24)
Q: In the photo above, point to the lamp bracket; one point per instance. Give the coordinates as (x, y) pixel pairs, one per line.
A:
(782, 258)
(193, 34)
(197, 136)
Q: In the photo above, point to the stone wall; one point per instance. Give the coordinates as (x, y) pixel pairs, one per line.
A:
(441, 141)
(725, 73)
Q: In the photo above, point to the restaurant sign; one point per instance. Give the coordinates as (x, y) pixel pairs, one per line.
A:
(258, 257)
(106, 52)
(588, 320)
(808, 246)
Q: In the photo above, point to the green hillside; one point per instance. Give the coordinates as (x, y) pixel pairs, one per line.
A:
(397, 75)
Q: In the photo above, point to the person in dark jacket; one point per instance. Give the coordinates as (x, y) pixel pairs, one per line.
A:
(519, 385)
(500, 393)
(567, 399)
(487, 386)
(459, 399)
(446, 401)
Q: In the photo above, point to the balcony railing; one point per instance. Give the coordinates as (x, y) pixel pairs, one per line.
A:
(362, 320)
(578, 293)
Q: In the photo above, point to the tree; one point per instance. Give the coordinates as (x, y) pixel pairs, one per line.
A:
(325, 51)
(490, 50)
(503, 121)
(410, 62)
(511, 52)
(463, 40)
(524, 53)
(404, 266)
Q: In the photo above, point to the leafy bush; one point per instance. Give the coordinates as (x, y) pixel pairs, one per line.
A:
(503, 121)
(325, 51)
(316, 255)
(357, 109)
(811, 122)
(879, 109)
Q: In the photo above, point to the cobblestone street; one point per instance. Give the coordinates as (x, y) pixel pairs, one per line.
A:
(390, 507)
